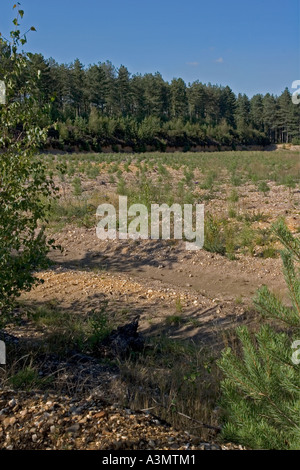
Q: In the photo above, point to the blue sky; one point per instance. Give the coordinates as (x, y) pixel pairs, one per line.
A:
(252, 46)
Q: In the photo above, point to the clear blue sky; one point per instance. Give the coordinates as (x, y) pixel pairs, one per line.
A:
(251, 45)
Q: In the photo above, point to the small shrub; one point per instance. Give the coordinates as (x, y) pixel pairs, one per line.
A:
(214, 239)
(236, 180)
(209, 181)
(263, 187)
(77, 188)
(234, 196)
(121, 187)
(27, 379)
(232, 213)
(174, 320)
(178, 305)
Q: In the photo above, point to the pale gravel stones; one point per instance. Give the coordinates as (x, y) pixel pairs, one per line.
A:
(33, 421)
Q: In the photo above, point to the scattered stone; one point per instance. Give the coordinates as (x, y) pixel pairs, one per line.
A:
(73, 429)
(100, 415)
(122, 428)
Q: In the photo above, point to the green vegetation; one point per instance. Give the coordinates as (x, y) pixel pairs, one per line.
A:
(77, 189)
(25, 187)
(263, 187)
(65, 330)
(180, 178)
(27, 379)
(175, 320)
(261, 389)
(107, 107)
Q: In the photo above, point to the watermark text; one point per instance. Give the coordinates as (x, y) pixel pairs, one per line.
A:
(133, 222)
(2, 92)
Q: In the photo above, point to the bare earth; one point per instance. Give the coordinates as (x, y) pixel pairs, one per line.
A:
(212, 291)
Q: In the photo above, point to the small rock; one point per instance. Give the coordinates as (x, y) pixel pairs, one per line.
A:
(100, 415)
(215, 447)
(73, 429)
(6, 422)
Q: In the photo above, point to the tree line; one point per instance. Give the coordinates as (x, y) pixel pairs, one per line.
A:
(100, 105)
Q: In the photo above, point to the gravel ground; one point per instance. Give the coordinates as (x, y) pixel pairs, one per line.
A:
(35, 421)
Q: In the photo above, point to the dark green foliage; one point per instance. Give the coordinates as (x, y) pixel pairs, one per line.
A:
(261, 389)
(261, 392)
(100, 105)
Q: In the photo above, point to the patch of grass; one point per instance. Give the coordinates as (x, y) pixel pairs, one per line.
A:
(232, 213)
(77, 188)
(236, 179)
(174, 320)
(230, 246)
(215, 241)
(93, 171)
(174, 378)
(65, 331)
(209, 181)
(239, 300)
(234, 196)
(254, 216)
(263, 187)
(78, 212)
(188, 175)
(247, 238)
(270, 252)
(27, 379)
(178, 305)
(263, 236)
(121, 187)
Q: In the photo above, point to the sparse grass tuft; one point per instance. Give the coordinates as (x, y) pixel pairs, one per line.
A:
(65, 330)
(174, 378)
